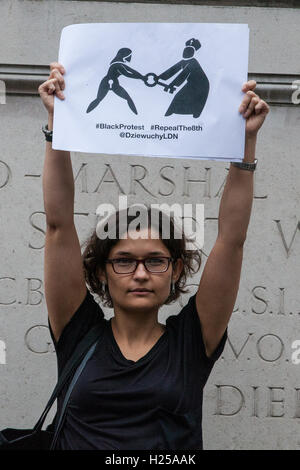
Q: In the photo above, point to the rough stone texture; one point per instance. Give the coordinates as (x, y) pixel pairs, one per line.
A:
(252, 399)
(31, 29)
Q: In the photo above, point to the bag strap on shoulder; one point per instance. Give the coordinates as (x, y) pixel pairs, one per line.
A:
(69, 391)
(93, 336)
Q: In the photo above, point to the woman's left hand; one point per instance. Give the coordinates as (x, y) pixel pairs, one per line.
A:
(253, 109)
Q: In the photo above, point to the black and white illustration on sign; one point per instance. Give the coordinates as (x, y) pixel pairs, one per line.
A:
(153, 89)
(118, 66)
(189, 100)
(192, 97)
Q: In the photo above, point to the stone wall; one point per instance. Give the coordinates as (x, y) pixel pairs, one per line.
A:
(252, 399)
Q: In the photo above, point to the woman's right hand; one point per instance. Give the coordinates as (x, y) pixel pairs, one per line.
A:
(54, 85)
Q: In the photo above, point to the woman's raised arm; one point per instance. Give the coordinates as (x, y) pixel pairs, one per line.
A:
(65, 286)
(220, 279)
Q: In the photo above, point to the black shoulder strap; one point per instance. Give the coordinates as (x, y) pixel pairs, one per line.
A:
(69, 391)
(78, 355)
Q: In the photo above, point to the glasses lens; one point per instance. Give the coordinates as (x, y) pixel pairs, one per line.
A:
(157, 265)
(124, 265)
(153, 265)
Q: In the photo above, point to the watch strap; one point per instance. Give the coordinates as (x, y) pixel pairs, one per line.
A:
(245, 165)
(48, 133)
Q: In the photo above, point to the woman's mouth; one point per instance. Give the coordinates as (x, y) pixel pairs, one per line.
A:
(141, 291)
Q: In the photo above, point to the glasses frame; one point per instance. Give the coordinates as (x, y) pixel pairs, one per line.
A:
(138, 261)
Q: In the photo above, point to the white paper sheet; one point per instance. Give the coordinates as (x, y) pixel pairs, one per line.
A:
(112, 106)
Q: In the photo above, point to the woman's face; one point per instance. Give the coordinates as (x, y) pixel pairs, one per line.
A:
(121, 286)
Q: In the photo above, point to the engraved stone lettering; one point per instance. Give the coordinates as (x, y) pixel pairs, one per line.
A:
(171, 182)
(105, 179)
(266, 345)
(37, 340)
(219, 192)
(7, 291)
(187, 180)
(259, 298)
(83, 173)
(281, 301)
(235, 352)
(34, 295)
(255, 402)
(37, 215)
(286, 247)
(5, 174)
(255, 196)
(134, 178)
(297, 403)
(230, 400)
(234, 403)
(273, 401)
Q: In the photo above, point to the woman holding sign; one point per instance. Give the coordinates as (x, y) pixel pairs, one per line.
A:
(142, 387)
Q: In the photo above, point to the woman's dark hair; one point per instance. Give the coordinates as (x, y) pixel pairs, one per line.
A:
(121, 54)
(97, 249)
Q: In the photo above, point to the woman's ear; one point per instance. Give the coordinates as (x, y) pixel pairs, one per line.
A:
(177, 269)
(101, 275)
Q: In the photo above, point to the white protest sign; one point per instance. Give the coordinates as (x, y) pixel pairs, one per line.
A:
(153, 89)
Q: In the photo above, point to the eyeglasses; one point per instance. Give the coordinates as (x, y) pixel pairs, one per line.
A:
(129, 265)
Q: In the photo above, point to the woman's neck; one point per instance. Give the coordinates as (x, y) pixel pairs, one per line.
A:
(138, 327)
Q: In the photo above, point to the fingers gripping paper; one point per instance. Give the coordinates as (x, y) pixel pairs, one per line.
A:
(153, 89)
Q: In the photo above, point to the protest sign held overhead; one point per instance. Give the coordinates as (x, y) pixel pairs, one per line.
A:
(153, 89)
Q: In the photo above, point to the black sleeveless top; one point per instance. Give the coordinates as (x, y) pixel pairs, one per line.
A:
(153, 403)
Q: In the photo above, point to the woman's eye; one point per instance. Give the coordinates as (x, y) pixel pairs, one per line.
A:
(124, 261)
(155, 260)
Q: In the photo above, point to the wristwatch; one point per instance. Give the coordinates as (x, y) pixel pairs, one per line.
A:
(48, 133)
(245, 165)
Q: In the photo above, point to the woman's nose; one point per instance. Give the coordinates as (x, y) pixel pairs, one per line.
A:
(140, 271)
